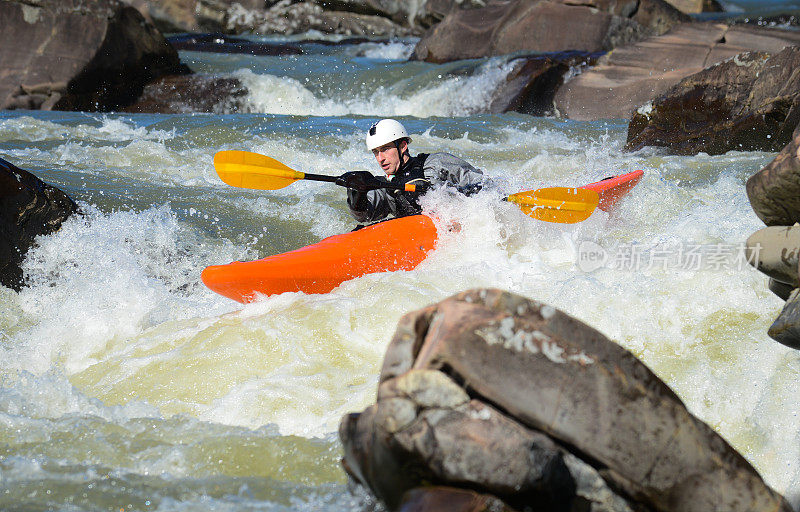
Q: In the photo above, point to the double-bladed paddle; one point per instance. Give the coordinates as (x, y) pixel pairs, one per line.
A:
(252, 170)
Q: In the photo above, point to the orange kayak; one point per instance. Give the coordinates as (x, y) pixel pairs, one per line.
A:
(396, 244)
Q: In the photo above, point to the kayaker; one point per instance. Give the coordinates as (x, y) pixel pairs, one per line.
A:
(388, 140)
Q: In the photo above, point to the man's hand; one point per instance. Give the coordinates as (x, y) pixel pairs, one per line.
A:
(360, 180)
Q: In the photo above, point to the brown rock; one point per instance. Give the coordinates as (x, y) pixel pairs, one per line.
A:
(748, 103)
(786, 328)
(549, 373)
(178, 94)
(78, 55)
(774, 191)
(451, 499)
(696, 6)
(543, 26)
(632, 75)
(532, 84)
(28, 208)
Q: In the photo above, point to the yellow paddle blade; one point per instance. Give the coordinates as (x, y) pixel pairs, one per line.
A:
(557, 204)
(251, 170)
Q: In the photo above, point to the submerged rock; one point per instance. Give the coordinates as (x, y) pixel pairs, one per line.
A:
(28, 208)
(178, 94)
(78, 55)
(748, 103)
(495, 393)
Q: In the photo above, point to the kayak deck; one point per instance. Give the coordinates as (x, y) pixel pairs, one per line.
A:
(396, 244)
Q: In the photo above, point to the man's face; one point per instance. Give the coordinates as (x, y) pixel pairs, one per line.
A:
(388, 157)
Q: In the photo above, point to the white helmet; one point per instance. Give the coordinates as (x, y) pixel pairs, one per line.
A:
(385, 131)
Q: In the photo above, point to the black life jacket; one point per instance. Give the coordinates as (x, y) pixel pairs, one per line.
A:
(407, 203)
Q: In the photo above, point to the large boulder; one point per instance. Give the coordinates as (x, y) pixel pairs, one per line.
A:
(748, 103)
(78, 54)
(499, 394)
(544, 26)
(630, 76)
(774, 191)
(28, 208)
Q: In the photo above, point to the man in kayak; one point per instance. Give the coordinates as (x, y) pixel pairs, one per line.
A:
(388, 140)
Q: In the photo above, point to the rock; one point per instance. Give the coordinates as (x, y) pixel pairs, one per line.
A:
(531, 85)
(774, 191)
(696, 6)
(543, 26)
(748, 103)
(632, 75)
(786, 328)
(774, 251)
(528, 372)
(417, 16)
(78, 55)
(193, 15)
(28, 208)
(781, 289)
(451, 499)
(295, 18)
(179, 94)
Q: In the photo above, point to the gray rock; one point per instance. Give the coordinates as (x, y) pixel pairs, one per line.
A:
(78, 55)
(786, 328)
(450, 499)
(28, 208)
(748, 103)
(774, 191)
(530, 370)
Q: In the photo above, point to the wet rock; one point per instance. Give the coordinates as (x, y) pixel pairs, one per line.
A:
(781, 289)
(468, 382)
(748, 103)
(451, 499)
(786, 328)
(544, 26)
(179, 94)
(774, 251)
(531, 85)
(774, 191)
(220, 43)
(28, 208)
(78, 55)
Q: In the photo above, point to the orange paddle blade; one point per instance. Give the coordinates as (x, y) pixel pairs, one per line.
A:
(557, 204)
(251, 170)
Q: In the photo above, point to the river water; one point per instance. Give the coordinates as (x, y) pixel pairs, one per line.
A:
(127, 385)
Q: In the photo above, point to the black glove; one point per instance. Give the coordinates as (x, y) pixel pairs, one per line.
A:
(359, 180)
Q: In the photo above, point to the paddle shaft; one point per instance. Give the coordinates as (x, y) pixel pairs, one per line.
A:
(332, 179)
